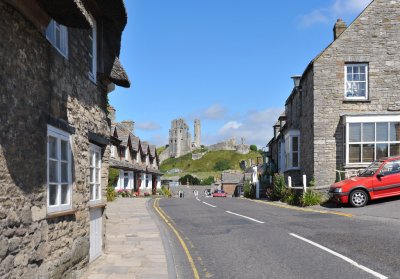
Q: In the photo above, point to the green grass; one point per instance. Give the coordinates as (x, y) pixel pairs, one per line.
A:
(206, 164)
(160, 149)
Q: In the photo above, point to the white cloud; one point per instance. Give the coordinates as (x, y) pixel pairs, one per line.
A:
(254, 126)
(148, 126)
(229, 127)
(338, 9)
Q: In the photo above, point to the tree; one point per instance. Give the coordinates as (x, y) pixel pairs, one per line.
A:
(208, 181)
(253, 147)
(222, 165)
(189, 179)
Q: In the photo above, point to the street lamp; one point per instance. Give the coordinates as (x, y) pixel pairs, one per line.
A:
(296, 80)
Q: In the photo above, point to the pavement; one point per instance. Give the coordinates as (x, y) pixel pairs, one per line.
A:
(134, 247)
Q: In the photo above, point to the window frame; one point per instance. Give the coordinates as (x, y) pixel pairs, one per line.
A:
(93, 55)
(94, 149)
(356, 98)
(289, 150)
(59, 135)
(51, 37)
(388, 119)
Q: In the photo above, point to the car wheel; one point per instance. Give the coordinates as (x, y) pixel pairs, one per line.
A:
(358, 198)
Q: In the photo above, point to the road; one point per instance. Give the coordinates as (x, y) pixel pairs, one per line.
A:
(238, 238)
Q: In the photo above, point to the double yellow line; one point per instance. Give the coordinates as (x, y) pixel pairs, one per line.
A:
(165, 217)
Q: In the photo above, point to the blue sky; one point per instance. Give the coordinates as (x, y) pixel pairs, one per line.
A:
(226, 62)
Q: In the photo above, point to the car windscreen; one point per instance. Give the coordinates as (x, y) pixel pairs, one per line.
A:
(371, 170)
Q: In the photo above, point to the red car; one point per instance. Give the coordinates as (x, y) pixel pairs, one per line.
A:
(219, 193)
(380, 180)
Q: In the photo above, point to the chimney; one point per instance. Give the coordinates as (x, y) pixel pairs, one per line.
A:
(339, 28)
(129, 125)
(111, 113)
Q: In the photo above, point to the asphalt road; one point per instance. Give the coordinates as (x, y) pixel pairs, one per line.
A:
(277, 242)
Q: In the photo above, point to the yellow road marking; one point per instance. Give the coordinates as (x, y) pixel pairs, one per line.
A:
(303, 209)
(185, 248)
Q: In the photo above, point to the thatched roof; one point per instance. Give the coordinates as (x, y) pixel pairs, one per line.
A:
(73, 13)
(70, 13)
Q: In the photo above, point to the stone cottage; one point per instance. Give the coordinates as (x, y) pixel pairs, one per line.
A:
(59, 59)
(136, 160)
(344, 111)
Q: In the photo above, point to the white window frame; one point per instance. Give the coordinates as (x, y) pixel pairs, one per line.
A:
(51, 32)
(127, 153)
(59, 135)
(289, 150)
(93, 55)
(368, 119)
(366, 81)
(95, 184)
(112, 150)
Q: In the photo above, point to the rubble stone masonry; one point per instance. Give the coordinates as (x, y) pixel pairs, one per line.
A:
(38, 86)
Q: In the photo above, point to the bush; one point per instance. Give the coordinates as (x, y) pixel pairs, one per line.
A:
(292, 197)
(312, 182)
(113, 175)
(125, 193)
(222, 165)
(189, 178)
(111, 193)
(249, 190)
(208, 181)
(253, 148)
(279, 187)
(166, 192)
(310, 198)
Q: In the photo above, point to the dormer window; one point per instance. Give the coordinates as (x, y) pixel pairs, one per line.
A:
(57, 35)
(93, 52)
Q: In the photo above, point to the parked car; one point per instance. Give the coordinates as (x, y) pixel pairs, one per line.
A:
(380, 180)
(219, 193)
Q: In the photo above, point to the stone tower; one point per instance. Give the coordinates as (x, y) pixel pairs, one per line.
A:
(197, 133)
(179, 138)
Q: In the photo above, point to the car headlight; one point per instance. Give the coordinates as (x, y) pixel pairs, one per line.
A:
(337, 190)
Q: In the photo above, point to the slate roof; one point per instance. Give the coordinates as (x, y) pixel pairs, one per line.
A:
(153, 151)
(232, 177)
(145, 146)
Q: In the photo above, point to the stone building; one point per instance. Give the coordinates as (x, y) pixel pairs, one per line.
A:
(180, 139)
(136, 160)
(344, 111)
(197, 134)
(59, 59)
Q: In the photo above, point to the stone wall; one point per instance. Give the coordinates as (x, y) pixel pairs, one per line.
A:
(38, 84)
(320, 103)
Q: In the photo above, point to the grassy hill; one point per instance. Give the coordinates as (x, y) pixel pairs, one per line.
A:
(205, 166)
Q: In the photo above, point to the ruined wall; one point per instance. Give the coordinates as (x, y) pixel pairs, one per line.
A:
(38, 84)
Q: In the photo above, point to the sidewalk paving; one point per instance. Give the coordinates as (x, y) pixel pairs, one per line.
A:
(134, 248)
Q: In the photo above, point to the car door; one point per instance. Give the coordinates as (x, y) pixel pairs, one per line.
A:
(387, 181)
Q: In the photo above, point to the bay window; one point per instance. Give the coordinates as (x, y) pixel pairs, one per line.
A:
(59, 161)
(371, 138)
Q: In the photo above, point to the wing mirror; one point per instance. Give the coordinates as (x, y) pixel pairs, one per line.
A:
(380, 175)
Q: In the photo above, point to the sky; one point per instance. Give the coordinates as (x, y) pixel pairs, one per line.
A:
(225, 62)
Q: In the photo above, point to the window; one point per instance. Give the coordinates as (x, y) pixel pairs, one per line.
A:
(57, 35)
(370, 141)
(126, 180)
(392, 167)
(93, 52)
(356, 81)
(292, 146)
(127, 153)
(95, 173)
(59, 186)
(122, 152)
(112, 149)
